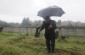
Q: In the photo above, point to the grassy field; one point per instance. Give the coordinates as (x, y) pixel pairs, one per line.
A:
(18, 44)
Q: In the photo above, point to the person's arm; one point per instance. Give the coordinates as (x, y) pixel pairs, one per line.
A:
(38, 30)
(36, 33)
(41, 27)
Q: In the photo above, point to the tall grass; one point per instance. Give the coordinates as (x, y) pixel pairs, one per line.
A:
(19, 44)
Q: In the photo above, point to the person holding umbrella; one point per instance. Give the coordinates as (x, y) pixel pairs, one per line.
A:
(50, 25)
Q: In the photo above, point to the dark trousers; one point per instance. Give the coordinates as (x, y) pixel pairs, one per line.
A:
(50, 44)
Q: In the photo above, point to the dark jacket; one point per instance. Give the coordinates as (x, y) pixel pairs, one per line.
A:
(49, 33)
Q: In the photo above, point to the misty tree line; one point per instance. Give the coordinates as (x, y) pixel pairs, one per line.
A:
(26, 22)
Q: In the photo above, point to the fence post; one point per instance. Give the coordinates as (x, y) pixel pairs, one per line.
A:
(19, 29)
(27, 31)
(12, 29)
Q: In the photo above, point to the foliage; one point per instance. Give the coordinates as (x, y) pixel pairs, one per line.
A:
(19, 44)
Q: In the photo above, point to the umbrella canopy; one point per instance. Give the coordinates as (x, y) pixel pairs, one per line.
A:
(51, 11)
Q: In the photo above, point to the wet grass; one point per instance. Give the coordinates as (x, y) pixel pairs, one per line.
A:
(19, 44)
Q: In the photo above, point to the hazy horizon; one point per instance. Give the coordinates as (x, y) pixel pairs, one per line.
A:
(16, 10)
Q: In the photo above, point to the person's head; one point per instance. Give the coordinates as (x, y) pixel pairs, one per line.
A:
(47, 18)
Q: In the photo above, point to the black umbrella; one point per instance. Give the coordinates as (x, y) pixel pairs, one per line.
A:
(51, 11)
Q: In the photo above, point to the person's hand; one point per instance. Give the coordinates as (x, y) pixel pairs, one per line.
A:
(50, 26)
(37, 33)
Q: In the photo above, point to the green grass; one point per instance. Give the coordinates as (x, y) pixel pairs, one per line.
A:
(18, 44)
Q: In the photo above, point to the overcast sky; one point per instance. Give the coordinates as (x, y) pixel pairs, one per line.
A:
(16, 10)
